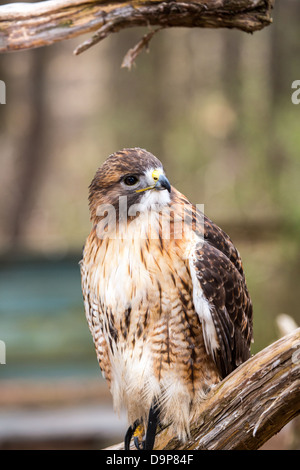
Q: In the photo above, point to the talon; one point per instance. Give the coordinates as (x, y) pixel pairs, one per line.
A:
(137, 431)
(129, 433)
(153, 421)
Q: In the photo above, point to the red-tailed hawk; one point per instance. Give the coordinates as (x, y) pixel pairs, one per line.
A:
(165, 296)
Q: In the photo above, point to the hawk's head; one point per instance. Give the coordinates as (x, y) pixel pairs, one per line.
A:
(134, 173)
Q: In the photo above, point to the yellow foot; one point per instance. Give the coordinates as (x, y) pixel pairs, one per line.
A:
(138, 436)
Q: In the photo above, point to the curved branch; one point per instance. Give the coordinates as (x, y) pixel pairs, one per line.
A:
(249, 406)
(30, 25)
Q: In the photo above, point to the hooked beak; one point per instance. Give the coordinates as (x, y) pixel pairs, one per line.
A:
(163, 183)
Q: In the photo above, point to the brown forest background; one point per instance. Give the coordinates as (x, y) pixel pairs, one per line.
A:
(214, 105)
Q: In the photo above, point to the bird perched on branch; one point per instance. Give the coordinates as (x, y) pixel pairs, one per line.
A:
(165, 296)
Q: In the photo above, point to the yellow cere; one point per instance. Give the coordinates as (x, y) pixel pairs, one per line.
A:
(156, 174)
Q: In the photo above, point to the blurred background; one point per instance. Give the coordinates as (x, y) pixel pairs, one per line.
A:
(215, 106)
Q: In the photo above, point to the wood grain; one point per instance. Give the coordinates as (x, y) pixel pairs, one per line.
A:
(249, 406)
(30, 25)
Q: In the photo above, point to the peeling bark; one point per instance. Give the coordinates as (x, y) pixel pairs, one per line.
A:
(30, 25)
(249, 406)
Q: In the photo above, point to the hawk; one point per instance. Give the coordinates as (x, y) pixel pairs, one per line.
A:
(166, 302)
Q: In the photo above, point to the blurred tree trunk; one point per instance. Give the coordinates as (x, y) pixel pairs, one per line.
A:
(231, 66)
(31, 151)
(277, 46)
(279, 90)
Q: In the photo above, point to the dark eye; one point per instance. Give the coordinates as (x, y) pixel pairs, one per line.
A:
(131, 180)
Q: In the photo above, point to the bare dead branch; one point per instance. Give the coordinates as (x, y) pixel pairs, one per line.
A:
(249, 406)
(30, 25)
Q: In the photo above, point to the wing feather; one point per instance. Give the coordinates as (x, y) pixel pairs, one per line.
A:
(218, 277)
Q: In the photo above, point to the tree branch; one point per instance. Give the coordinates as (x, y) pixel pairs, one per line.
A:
(249, 406)
(30, 25)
